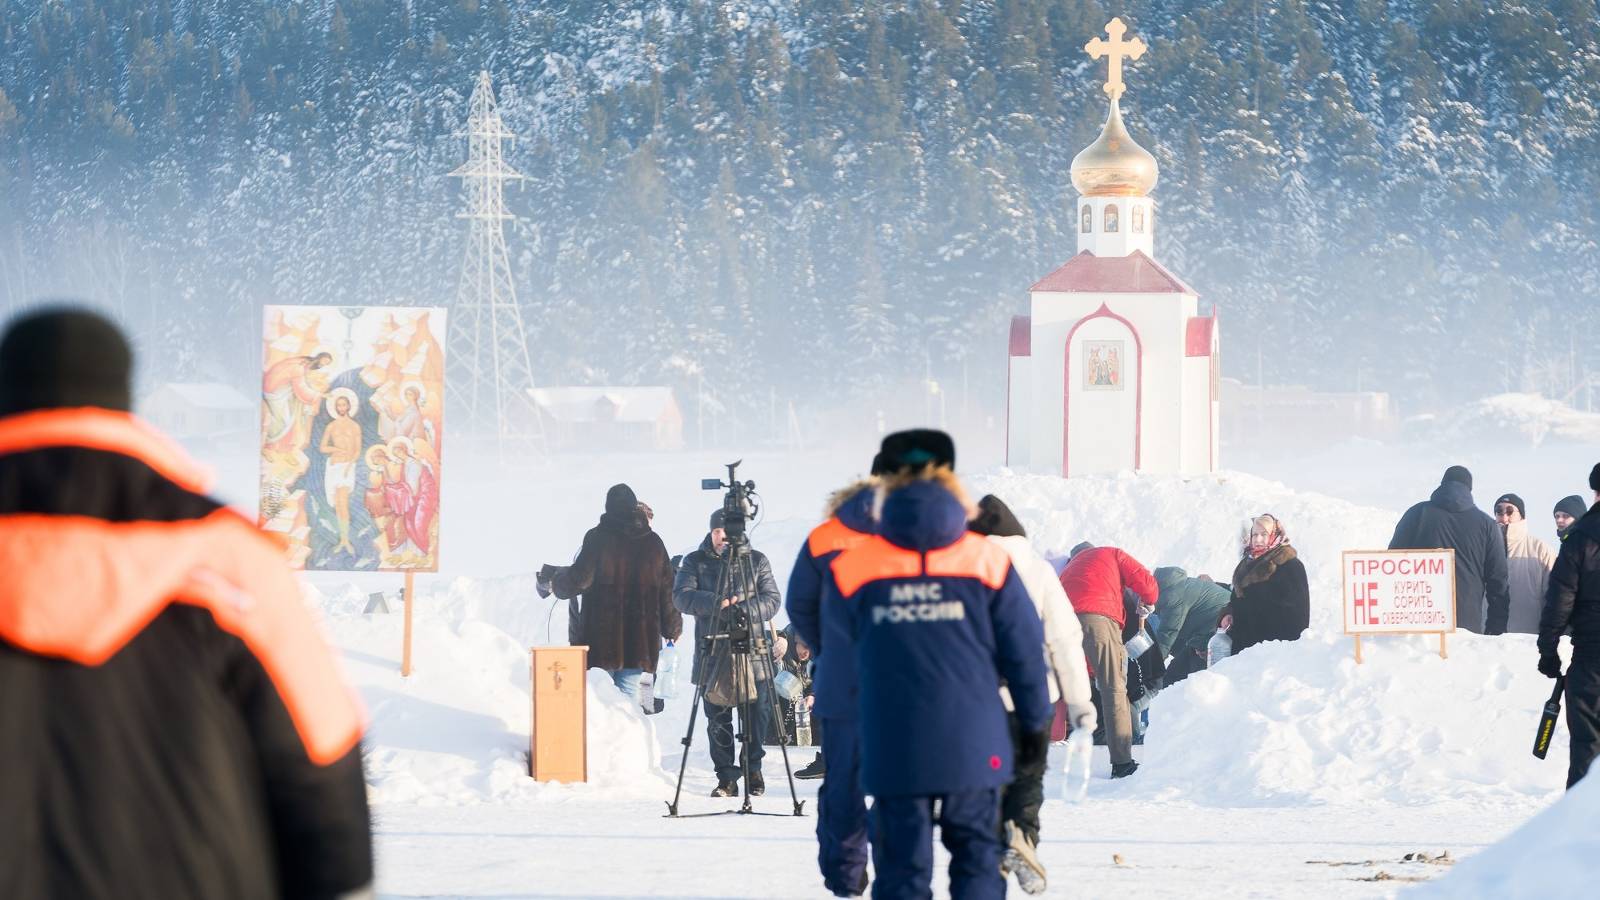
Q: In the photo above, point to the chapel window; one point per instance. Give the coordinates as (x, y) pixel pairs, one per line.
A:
(1087, 219)
(1111, 219)
(1138, 219)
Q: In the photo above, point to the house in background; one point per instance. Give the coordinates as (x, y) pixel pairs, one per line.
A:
(190, 410)
(610, 418)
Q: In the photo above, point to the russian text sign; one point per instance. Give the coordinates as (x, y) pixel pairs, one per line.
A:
(1399, 592)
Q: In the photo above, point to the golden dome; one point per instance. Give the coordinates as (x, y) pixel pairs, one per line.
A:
(1114, 165)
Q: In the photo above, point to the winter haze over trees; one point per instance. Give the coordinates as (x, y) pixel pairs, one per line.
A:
(795, 197)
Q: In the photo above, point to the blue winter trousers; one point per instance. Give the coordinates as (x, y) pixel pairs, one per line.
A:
(902, 845)
(841, 809)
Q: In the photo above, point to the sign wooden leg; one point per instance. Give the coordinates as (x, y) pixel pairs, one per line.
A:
(1442, 652)
(1358, 649)
(405, 653)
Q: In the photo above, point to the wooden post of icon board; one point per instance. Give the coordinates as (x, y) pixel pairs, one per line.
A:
(405, 652)
(558, 745)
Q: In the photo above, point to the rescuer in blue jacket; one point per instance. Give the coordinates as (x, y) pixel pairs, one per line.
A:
(940, 619)
(821, 619)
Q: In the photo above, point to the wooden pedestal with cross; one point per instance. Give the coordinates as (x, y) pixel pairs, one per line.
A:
(558, 748)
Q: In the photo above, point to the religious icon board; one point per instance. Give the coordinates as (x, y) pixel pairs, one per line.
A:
(352, 435)
(1102, 365)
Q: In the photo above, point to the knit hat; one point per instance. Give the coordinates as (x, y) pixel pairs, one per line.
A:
(1080, 548)
(718, 519)
(1572, 506)
(995, 518)
(64, 357)
(1514, 500)
(1594, 478)
(1459, 474)
(917, 449)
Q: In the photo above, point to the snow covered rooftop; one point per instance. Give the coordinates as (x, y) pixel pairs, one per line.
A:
(625, 404)
(1131, 274)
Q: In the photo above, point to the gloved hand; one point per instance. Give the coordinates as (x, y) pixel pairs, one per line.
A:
(542, 582)
(1033, 750)
(1549, 665)
(1086, 722)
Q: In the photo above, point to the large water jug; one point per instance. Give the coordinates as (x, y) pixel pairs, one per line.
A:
(666, 686)
(1080, 753)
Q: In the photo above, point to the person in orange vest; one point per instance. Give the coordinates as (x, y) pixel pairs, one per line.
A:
(821, 619)
(940, 619)
(173, 723)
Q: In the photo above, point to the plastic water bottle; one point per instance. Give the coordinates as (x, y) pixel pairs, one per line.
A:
(666, 684)
(1080, 753)
(1219, 648)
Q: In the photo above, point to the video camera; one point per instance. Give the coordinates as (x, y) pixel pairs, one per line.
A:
(738, 504)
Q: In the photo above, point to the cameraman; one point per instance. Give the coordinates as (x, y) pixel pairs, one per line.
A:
(695, 592)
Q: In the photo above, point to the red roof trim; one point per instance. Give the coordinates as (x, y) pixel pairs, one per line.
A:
(1198, 340)
(1021, 335)
(1131, 274)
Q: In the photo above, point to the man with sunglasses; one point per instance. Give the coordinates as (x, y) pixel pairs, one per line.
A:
(1528, 562)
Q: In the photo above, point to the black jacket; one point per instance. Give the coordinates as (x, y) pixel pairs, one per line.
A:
(625, 577)
(1573, 600)
(695, 593)
(1271, 599)
(171, 722)
(1450, 520)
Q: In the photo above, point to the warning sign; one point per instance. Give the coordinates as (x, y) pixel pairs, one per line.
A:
(1399, 592)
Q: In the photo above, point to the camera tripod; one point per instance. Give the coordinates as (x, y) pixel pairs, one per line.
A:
(746, 647)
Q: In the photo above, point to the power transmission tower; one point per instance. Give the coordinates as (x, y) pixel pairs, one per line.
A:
(490, 375)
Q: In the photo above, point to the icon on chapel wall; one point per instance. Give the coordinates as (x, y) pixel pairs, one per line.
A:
(1087, 224)
(1102, 365)
(1111, 219)
(1138, 219)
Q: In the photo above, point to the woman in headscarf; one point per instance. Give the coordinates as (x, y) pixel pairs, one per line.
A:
(1271, 596)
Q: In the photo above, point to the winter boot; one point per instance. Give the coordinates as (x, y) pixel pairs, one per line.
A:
(756, 784)
(1123, 770)
(726, 789)
(814, 769)
(1021, 860)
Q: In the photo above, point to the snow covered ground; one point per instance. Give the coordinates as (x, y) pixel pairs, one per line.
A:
(1287, 771)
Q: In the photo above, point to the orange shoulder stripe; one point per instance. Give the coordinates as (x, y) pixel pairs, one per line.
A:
(833, 535)
(971, 557)
(108, 430)
(874, 560)
(80, 589)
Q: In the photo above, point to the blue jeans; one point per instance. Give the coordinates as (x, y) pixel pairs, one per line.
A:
(627, 681)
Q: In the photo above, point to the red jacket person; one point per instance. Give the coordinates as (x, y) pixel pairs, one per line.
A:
(172, 723)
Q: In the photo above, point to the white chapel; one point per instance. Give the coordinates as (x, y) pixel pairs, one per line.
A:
(1114, 369)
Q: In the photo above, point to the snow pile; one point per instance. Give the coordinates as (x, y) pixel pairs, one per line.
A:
(1195, 523)
(1301, 723)
(1553, 855)
(1516, 419)
(456, 732)
(1296, 724)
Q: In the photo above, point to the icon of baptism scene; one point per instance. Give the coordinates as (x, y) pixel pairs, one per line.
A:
(352, 427)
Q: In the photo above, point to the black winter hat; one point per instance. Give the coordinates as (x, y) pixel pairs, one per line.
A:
(996, 518)
(620, 501)
(718, 519)
(1457, 473)
(64, 357)
(917, 449)
(1572, 506)
(1594, 478)
(1514, 500)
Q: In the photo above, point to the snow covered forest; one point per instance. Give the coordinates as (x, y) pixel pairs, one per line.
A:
(1399, 196)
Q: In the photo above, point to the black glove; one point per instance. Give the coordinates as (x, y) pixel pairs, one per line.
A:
(1033, 751)
(1549, 665)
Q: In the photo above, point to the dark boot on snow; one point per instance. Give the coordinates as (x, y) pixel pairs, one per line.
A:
(1123, 770)
(813, 769)
(726, 789)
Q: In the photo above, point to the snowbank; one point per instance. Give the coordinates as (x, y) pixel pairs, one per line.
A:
(456, 732)
(1553, 855)
(1301, 723)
